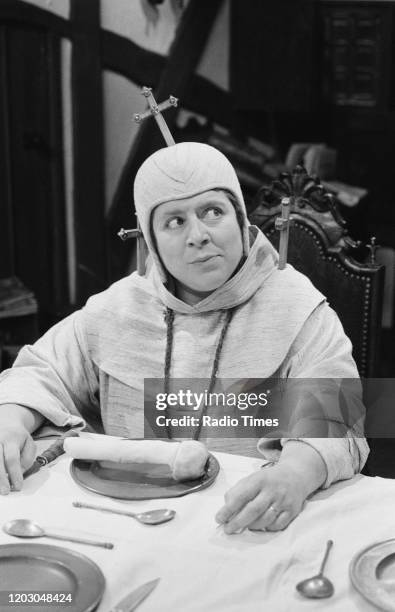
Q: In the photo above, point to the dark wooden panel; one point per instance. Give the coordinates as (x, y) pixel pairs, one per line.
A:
(58, 225)
(272, 55)
(24, 13)
(29, 154)
(358, 53)
(207, 99)
(91, 250)
(7, 260)
(36, 165)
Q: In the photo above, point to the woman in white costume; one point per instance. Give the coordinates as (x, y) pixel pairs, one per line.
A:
(214, 305)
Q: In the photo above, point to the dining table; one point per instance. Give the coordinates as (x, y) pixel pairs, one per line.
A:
(202, 569)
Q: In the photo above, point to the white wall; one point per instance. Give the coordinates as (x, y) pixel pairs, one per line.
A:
(127, 18)
(121, 100)
(68, 165)
(214, 64)
(59, 7)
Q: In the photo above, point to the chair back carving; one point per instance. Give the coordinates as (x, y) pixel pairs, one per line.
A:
(320, 247)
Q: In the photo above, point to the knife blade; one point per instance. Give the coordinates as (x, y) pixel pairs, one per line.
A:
(133, 599)
(50, 454)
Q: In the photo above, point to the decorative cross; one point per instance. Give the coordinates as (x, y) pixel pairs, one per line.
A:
(282, 224)
(154, 110)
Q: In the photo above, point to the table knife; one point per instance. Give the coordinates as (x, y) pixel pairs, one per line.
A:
(50, 454)
(131, 601)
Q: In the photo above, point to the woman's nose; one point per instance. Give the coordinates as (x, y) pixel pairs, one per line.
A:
(197, 233)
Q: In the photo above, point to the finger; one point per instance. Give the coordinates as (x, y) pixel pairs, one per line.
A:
(12, 462)
(28, 453)
(236, 498)
(281, 522)
(267, 519)
(223, 515)
(4, 482)
(249, 514)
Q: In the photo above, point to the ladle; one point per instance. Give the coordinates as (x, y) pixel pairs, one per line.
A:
(23, 528)
(150, 517)
(318, 586)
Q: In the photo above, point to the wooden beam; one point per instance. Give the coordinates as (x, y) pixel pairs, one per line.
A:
(176, 78)
(122, 55)
(26, 13)
(89, 207)
(143, 67)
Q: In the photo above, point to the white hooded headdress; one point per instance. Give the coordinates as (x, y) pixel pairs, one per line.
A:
(182, 171)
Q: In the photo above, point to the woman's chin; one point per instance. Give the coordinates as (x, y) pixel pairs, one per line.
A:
(208, 286)
(197, 292)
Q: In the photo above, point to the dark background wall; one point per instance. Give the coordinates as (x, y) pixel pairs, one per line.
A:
(299, 71)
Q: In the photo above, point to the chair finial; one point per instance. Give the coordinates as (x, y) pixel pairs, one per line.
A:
(282, 224)
(372, 246)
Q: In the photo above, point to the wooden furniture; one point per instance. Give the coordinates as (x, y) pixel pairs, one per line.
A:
(358, 53)
(18, 319)
(321, 248)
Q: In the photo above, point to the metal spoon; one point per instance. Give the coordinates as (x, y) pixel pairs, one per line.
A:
(318, 586)
(23, 528)
(151, 517)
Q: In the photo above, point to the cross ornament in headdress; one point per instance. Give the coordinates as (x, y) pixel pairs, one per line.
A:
(154, 110)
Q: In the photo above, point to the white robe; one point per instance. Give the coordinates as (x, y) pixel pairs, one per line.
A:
(93, 363)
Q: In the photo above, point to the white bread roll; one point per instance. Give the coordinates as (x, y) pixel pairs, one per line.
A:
(186, 460)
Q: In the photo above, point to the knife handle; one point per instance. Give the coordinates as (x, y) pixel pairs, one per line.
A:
(55, 450)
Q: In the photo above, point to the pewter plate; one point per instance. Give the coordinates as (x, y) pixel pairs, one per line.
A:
(372, 572)
(34, 568)
(138, 480)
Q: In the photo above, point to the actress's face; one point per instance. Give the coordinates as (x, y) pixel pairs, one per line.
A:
(199, 241)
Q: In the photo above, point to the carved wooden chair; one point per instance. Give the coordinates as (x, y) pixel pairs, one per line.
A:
(320, 247)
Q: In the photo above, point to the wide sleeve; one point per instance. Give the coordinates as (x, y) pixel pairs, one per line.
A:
(321, 359)
(55, 376)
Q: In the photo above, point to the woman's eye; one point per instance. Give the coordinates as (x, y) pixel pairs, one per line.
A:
(213, 212)
(175, 222)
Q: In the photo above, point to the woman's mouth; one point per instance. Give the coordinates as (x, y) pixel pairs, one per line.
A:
(204, 259)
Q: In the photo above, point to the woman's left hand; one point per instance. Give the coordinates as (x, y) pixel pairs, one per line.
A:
(269, 500)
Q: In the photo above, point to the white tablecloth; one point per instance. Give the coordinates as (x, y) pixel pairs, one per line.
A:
(201, 568)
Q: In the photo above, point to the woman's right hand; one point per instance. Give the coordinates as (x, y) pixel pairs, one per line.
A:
(17, 449)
